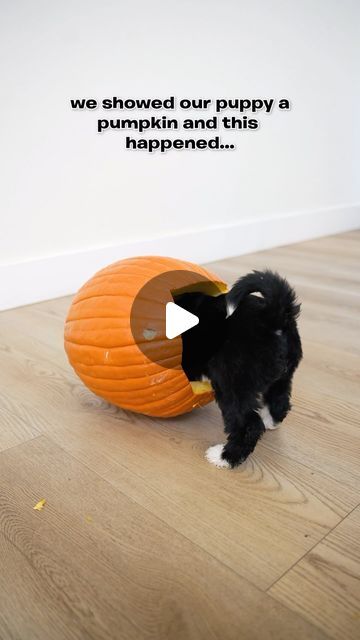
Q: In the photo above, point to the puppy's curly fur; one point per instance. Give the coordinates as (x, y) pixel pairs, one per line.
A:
(248, 346)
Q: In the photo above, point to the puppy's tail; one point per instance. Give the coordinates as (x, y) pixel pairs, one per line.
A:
(279, 297)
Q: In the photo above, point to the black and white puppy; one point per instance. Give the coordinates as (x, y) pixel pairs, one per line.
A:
(248, 346)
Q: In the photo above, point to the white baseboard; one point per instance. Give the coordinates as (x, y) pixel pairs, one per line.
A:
(41, 279)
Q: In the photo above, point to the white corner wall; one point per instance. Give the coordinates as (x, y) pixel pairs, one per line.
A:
(71, 195)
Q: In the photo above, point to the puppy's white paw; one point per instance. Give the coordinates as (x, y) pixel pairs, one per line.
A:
(213, 455)
(267, 418)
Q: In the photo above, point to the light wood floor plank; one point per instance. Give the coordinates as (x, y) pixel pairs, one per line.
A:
(17, 424)
(325, 586)
(93, 564)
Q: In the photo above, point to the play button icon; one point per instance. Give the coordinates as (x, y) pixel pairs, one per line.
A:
(178, 320)
(158, 315)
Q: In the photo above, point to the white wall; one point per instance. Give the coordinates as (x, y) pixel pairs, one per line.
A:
(66, 188)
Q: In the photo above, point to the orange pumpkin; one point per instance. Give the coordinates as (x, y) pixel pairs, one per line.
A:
(100, 344)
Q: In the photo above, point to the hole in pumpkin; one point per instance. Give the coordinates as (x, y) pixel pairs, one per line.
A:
(200, 386)
(199, 343)
(207, 287)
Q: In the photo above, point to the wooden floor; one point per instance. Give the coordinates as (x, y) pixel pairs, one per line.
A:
(140, 537)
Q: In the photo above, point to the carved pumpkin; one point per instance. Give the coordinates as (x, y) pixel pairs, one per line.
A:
(100, 343)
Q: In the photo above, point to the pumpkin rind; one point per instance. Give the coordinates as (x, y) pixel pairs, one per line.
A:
(101, 348)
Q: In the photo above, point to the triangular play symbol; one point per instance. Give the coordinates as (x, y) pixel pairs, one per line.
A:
(178, 320)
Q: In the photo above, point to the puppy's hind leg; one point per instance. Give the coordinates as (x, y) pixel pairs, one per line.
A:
(244, 428)
(239, 446)
(266, 417)
(276, 400)
(276, 403)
